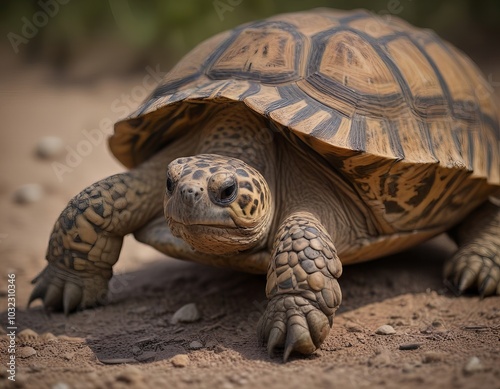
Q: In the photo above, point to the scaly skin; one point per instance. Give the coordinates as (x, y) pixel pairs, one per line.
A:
(224, 206)
(87, 238)
(476, 264)
(302, 287)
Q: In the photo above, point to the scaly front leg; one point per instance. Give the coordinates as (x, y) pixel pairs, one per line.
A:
(302, 287)
(87, 238)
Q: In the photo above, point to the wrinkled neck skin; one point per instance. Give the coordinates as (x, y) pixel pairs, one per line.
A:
(233, 142)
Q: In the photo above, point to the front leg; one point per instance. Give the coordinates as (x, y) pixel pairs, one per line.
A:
(87, 237)
(302, 287)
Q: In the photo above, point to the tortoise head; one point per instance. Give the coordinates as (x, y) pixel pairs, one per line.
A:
(218, 205)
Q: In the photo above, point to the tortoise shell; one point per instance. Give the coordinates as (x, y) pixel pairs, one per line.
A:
(407, 119)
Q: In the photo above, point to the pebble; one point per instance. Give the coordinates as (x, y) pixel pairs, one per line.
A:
(132, 375)
(382, 358)
(61, 385)
(186, 314)
(386, 329)
(68, 356)
(117, 361)
(474, 365)
(353, 327)
(432, 356)
(28, 193)
(49, 147)
(48, 337)
(25, 352)
(195, 345)
(180, 360)
(146, 356)
(408, 368)
(409, 346)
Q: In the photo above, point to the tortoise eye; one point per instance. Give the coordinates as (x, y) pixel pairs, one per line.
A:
(228, 193)
(223, 188)
(170, 185)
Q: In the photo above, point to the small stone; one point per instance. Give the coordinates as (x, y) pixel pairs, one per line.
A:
(432, 357)
(136, 350)
(49, 147)
(48, 337)
(71, 339)
(68, 356)
(353, 327)
(25, 352)
(180, 360)
(195, 345)
(409, 346)
(146, 356)
(27, 335)
(408, 368)
(187, 314)
(474, 365)
(34, 368)
(61, 385)
(132, 375)
(381, 358)
(28, 193)
(117, 361)
(386, 329)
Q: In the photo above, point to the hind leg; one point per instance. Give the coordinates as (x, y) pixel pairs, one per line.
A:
(476, 264)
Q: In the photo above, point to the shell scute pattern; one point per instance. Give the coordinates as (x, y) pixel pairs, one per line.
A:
(402, 115)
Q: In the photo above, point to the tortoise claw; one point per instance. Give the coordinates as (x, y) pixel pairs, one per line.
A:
(38, 291)
(72, 296)
(467, 271)
(64, 290)
(53, 297)
(276, 337)
(293, 322)
(298, 339)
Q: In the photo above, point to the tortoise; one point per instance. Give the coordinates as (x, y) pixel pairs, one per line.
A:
(290, 146)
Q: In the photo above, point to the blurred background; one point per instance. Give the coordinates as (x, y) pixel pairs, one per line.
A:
(70, 68)
(84, 39)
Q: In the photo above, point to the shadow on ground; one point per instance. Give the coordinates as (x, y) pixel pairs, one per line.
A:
(136, 322)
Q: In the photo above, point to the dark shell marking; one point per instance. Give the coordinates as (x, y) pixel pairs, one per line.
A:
(407, 119)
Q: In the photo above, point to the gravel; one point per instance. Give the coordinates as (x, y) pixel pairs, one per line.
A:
(25, 352)
(187, 314)
(49, 147)
(180, 360)
(386, 329)
(195, 345)
(409, 346)
(473, 365)
(28, 193)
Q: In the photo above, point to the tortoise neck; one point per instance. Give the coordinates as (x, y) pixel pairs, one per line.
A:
(234, 131)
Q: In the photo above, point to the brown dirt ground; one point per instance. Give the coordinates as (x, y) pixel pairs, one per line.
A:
(404, 290)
